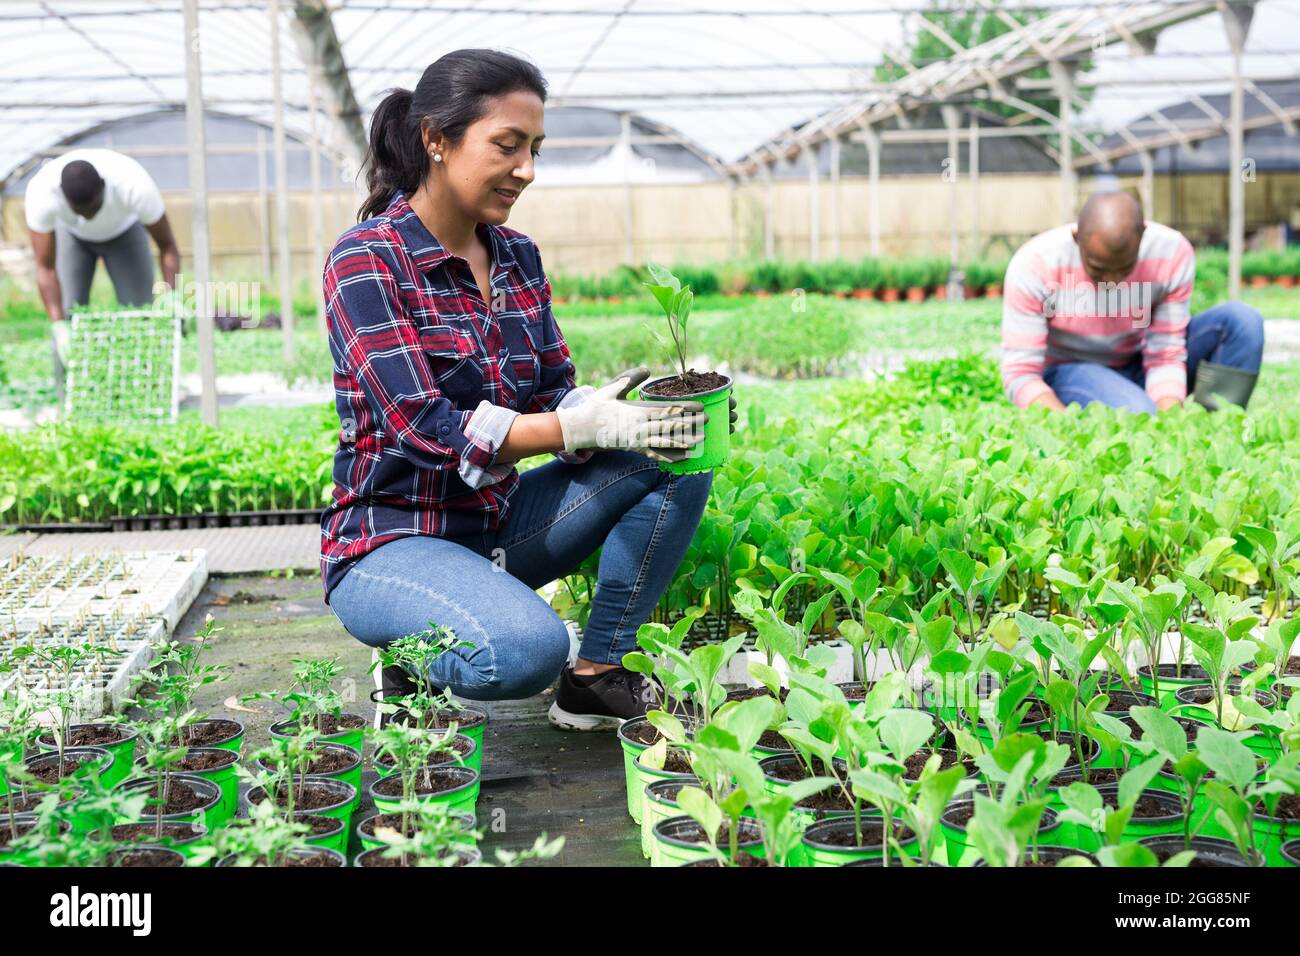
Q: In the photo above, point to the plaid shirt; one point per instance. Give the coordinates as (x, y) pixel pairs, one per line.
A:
(428, 380)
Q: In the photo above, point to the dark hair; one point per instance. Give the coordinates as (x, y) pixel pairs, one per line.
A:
(81, 182)
(452, 93)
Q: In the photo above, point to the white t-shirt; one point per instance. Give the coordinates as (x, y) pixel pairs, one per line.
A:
(130, 196)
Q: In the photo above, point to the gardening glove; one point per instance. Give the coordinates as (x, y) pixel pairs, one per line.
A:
(1214, 382)
(62, 332)
(665, 431)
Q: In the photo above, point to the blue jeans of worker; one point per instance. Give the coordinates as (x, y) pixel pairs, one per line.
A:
(484, 588)
(1231, 334)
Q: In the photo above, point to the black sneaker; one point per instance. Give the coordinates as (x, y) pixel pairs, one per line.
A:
(601, 702)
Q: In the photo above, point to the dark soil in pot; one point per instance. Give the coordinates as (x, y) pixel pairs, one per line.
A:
(772, 740)
(145, 856)
(676, 761)
(1097, 776)
(462, 745)
(1210, 851)
(1203, 694)
(741, 859)
(831, 800)
(693, 383)
(1192, 672)
(181, 798)
(948, 758)
(216, 730)
(1047, 856)
(641, 732)
(50, 772)
(149, 833)
(313, 795)
(304, 858)
(438, 780)
(90, 735)
(1121, 700)
(210, 758)
(329, 759)
(1189, 726)
(791, 769)
(462, 719)
(688, 831)
(326, 724)
(843, 835)
(749, 693)
(1288, 807)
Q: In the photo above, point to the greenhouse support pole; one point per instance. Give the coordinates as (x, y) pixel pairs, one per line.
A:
(836, 223)
(285, 256)
(1063, 80)
(317, 211)
(629, 211)
(769, 239)
(733, 210)
(814, 203)
(1148, 188)
(872, 139)
(263, 207)
(198, 170)
(1236, 22)
(975, 243)
(951, 120)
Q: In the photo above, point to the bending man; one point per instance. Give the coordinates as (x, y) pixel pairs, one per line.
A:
(1099, 312)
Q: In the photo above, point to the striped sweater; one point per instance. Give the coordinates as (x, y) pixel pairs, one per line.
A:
(1054, 313)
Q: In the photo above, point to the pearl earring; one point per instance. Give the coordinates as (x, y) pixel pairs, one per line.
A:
(437, 157)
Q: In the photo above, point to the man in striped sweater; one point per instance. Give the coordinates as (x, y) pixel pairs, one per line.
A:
(1098, 312)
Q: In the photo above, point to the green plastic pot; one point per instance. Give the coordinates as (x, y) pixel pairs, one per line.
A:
(227, 778)
(1192, 674)
(658, 802)
(123, 752)
(469, 856)
(342, 797)
(384, 769)
(25, 821)
(648, 775)
(819, 852)
(170, 857)
(86, 756)
(185, 837)
(961, 852)
(631, 779)
(350, 774)
(716, 447)
(1290, 853)
(1048, 853)
(369, 842)
(354, 738)
(459, 791)
(674, 849)
(1187, 703)
(470, 721)
(1168, 822)
(231, 741)
(210, 808)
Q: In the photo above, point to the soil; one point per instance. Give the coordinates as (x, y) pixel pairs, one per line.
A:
(209, 732)
(144, 857)
(181, 798)
(1037, 713)
(948, 758)
(854, 691)
(462, 747)
(872, 835)
(694, 383)
(305, 798)
(146, 832)
(463, 720)
(24, 804)
(676, 761)
(433, 781)
(1293, 666)
(208, 760)
(961, 816)
(331, 761)
(647, 734)
(1205, 695)
(773, 741)
(1164, 852)
(328, 725)
(1190, 672)
(1148, 808)
(1097, 776)
(742, 859)
(314, 860)
(751, 692)
(318, 823)
(378, 859)
(826, 802)
(91, 735)
(49, 774)
(5, 832)
(793, 770)
(391, 820)
(670, 790)
(1122, 700)
(694, 833)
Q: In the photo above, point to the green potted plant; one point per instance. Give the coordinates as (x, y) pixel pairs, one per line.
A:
(710, 389)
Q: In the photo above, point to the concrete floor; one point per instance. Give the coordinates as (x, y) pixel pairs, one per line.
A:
(535, 778)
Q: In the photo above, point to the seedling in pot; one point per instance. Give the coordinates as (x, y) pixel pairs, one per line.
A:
(176, 674)
(311, 699)
(1146, 614)
(1163, 735)
(1234, 790)
(1019, 770)
(162, 754)
(660, 660)
(265, 838)
(1222, 653)
(1085, 807)
(64, 662)
(416, 654)
(411, 749)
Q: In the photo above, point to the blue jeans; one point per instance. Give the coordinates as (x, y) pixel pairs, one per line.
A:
(484, 588)
(1231, 334)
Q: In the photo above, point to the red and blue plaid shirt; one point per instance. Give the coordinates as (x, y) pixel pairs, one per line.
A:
(428, 378)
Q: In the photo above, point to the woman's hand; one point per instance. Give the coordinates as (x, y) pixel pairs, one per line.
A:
(665, 431)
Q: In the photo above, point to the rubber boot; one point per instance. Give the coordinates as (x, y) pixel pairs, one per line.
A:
(1216, 384)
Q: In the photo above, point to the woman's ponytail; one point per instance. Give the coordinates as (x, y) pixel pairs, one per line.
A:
(395, 158)
(452, 93)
